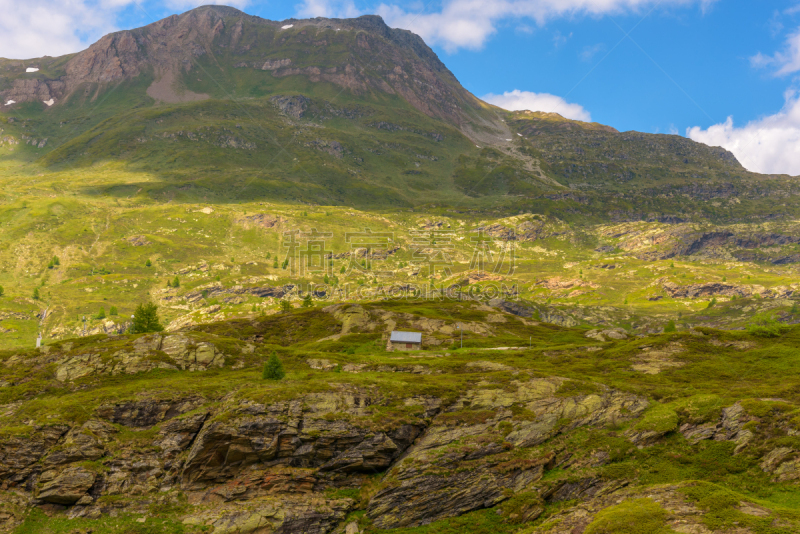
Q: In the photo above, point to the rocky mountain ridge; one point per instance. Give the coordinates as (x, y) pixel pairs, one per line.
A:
(382, 59)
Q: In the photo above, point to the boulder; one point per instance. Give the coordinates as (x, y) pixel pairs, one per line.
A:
(147, 413)
(66, 487)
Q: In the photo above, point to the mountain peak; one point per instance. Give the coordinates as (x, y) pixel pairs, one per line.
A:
(362, 55)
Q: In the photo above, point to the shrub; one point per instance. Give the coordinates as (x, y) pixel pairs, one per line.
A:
(2, 291)
(286, 306)
(766, 325)
(638, 516)
(36, 294)
(148, 263)
(113, 311)
(712, 303)
(101, 314)
(670, 327)
(307, 302)
(273, 368)
(145, 319)
(176, 282)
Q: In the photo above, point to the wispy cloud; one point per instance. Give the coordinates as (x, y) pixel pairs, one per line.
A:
(517, 100)
(588, 52)
(328, 9)
(786, 61)
(470, 23)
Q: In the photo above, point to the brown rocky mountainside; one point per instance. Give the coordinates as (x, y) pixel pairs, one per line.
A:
(361, 55)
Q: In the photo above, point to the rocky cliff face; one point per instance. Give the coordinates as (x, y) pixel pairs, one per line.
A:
(379, 58)
(377, 444)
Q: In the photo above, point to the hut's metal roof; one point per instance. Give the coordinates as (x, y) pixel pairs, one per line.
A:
(406, 337)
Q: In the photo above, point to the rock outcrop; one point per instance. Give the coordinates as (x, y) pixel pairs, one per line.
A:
(466, 461)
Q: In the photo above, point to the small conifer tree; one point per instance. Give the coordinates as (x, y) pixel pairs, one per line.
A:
(176, 282)
(148, 263)
(101, 314)
(36, 294)
(273, 368)
(145, 319)
(307, 302)
(113, 311)
(670, 327)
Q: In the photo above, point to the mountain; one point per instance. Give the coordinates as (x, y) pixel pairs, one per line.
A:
(328, 111)
(188, 149)
(361, 55)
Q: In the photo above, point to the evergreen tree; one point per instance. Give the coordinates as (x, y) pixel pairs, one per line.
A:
(145, 319)
(36, 294)
(2, 291)
(101, 314)
(670, 327)
(148, 263)
(273, 368)
(176, 282)
(56, 261)
(285, 306)
(113, 311)
(307, 302)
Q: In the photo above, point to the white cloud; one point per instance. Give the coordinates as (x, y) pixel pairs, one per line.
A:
(469, 23)
(517, 100)
(786, 62)
(327, 8)
(37, 28)
(588, 52)
(185, 5)
(767, 145)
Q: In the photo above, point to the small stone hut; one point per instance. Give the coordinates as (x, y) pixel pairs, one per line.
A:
(404, 341)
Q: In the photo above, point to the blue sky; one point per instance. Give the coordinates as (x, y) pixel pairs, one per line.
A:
(720, 71)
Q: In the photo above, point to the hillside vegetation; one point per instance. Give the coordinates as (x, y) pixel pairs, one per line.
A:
(552, 432)
(608, 318)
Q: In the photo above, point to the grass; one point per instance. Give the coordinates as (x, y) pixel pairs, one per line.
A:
(37, 522)
(638, 516)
